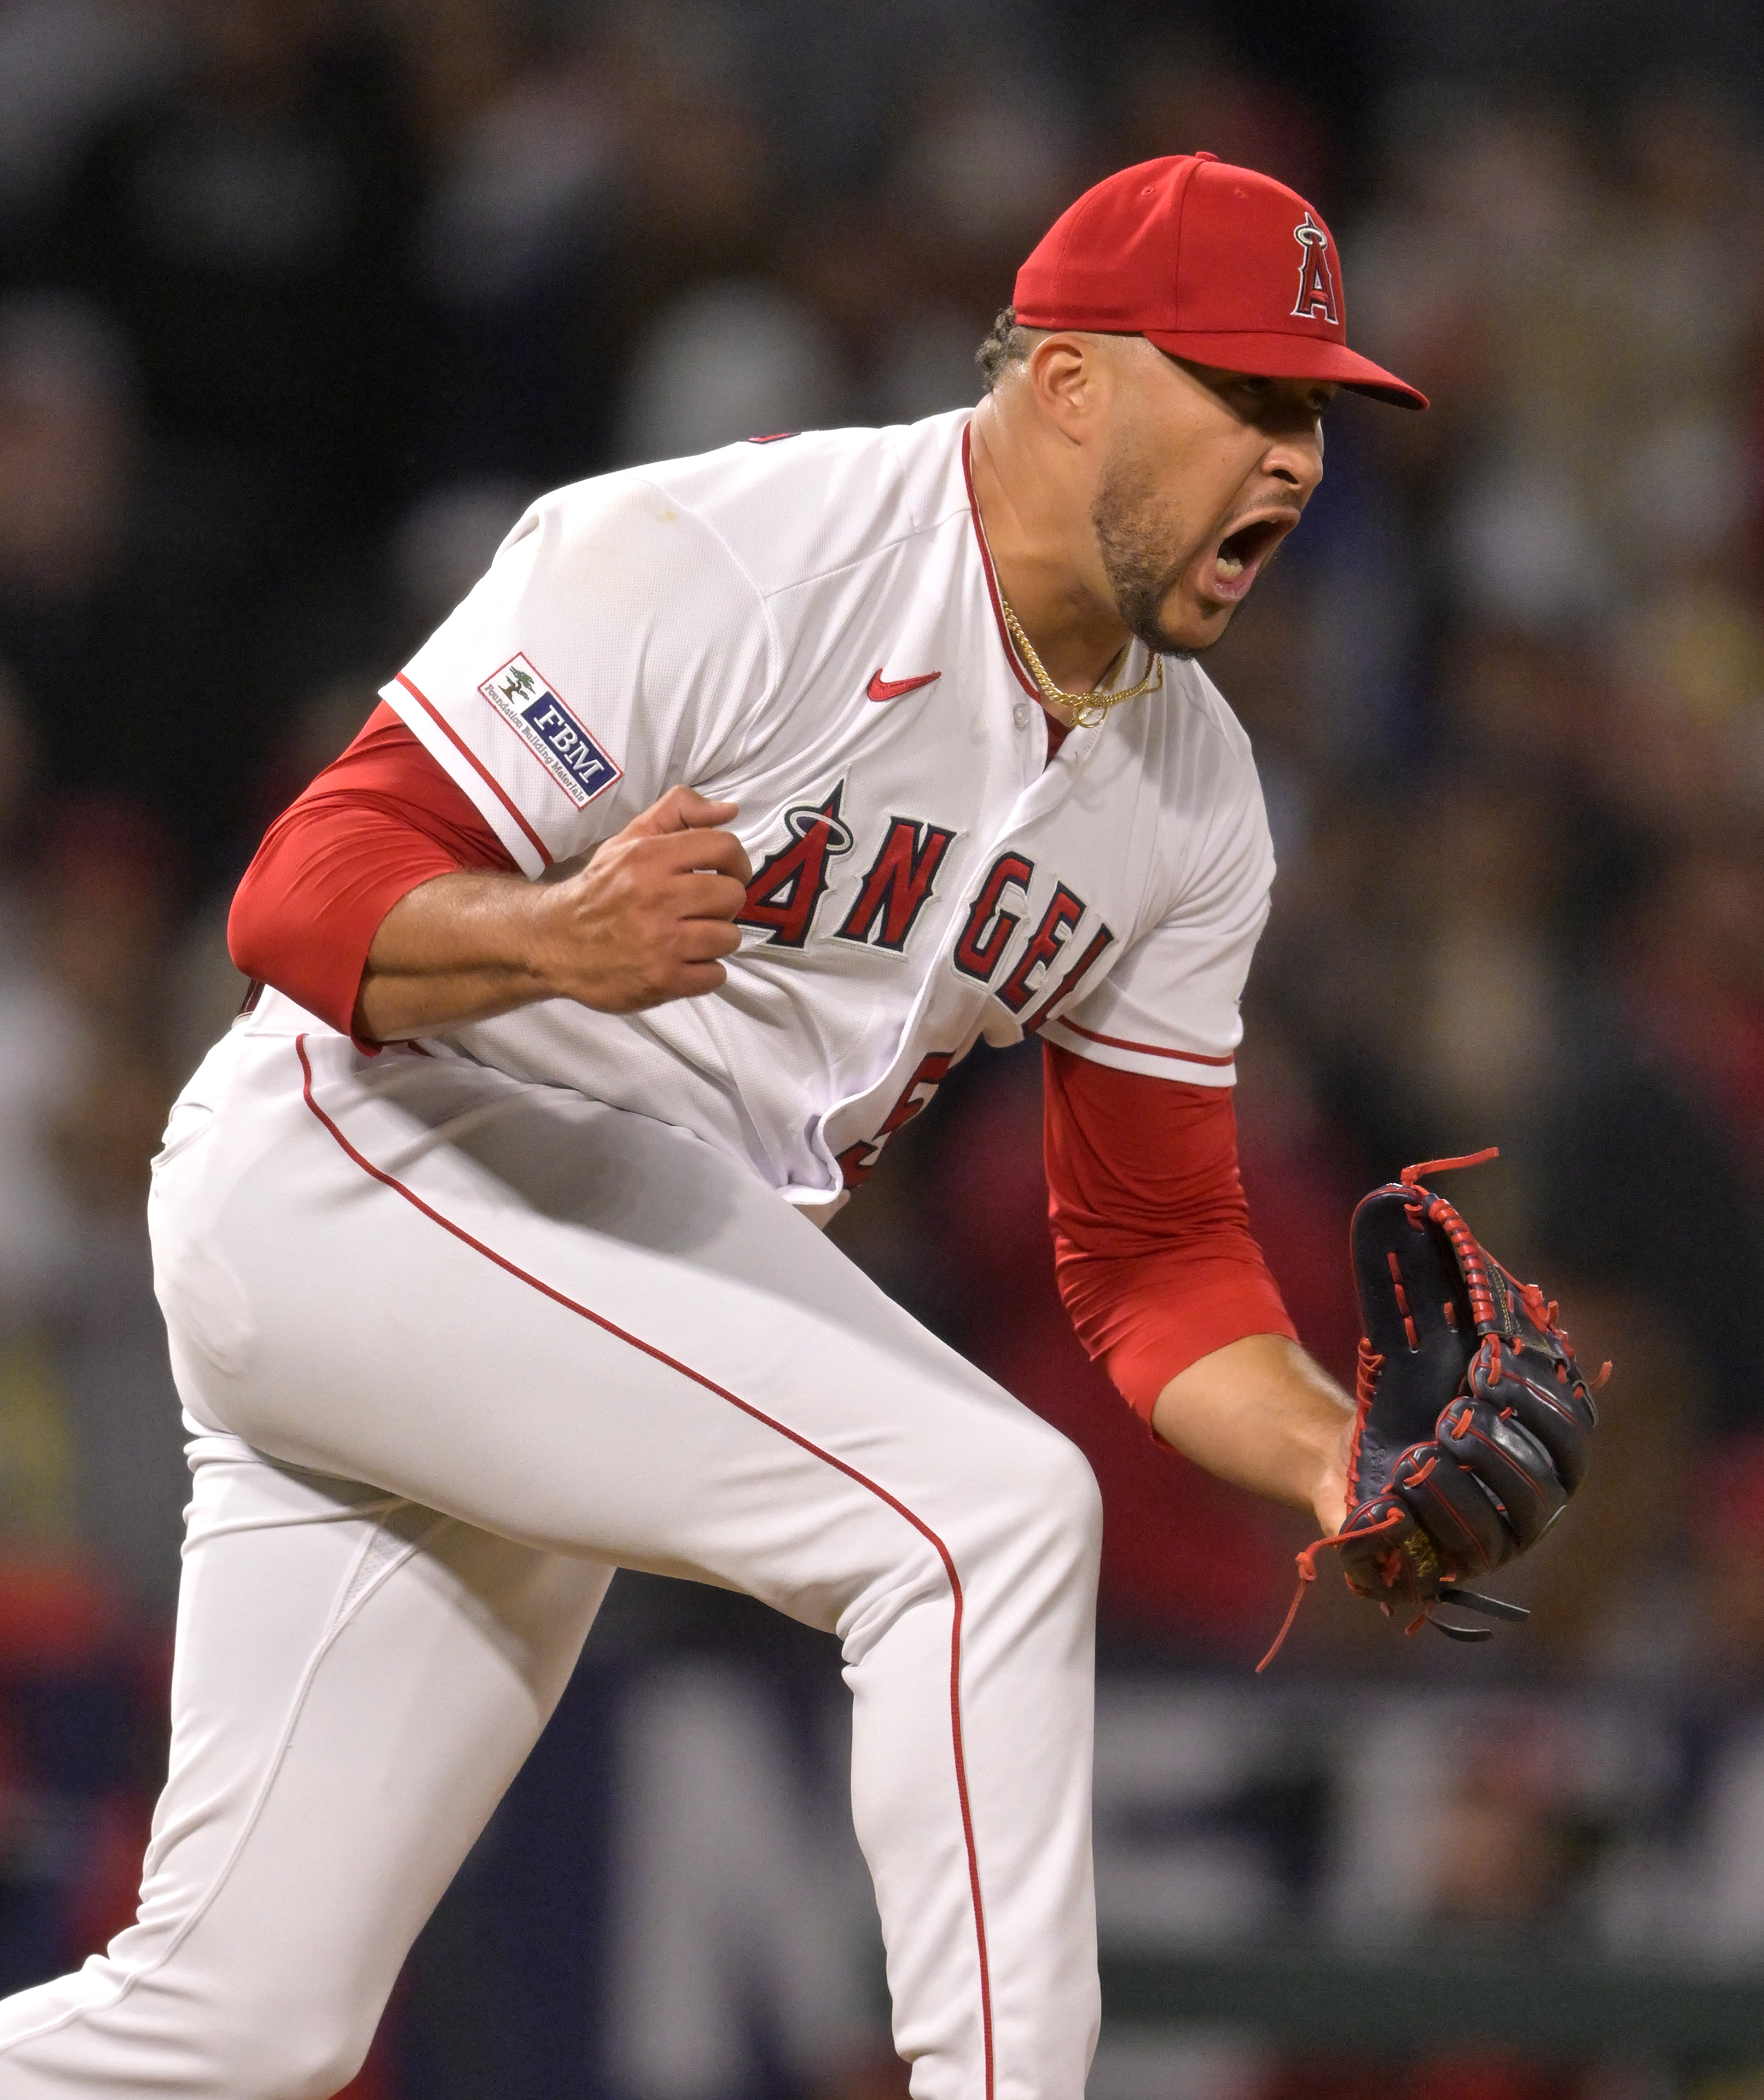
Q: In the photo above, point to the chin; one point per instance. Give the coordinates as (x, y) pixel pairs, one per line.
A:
(1188, 637)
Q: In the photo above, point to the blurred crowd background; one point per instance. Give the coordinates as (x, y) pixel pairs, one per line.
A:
(302, 300)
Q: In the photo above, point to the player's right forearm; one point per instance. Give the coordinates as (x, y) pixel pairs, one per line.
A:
(647, 918)
(457, 948)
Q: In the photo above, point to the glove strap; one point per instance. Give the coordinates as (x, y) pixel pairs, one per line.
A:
(1492, 1607)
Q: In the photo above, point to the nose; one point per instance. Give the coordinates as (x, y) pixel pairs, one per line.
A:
(1295, 458)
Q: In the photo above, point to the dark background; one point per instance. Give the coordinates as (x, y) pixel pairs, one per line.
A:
(301, 300)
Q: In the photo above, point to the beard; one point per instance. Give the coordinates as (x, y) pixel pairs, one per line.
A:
(1135, 536)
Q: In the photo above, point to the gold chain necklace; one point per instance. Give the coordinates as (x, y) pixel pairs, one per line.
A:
(1087, 709)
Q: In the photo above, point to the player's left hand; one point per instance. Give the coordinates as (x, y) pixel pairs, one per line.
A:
(1474, 1418)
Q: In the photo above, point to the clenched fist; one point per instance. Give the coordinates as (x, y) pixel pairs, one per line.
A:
(647, 917)
(651, 914)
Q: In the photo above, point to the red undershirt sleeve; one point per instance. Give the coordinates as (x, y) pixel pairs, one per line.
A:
(375, 824)
(1151, 1230)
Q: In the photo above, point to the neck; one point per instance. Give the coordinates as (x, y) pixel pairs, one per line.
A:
(1038, 527)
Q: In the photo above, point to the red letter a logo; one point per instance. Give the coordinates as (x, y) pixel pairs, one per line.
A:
(1317, 286)
(783, 895)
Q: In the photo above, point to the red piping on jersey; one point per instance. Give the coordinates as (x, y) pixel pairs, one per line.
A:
(1145, 1049)
(1023, 677)
(1064, 986)
(796, 1437)
(477, 765)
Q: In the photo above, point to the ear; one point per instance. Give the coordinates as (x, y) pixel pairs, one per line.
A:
(1072, 379)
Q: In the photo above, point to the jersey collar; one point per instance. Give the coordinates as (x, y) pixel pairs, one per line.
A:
(1005, 642)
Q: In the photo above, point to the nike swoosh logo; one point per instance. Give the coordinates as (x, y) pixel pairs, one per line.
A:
(891, 689)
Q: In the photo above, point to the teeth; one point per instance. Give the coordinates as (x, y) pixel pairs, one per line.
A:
(1230, 568)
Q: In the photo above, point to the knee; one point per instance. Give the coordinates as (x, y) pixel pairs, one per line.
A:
(1048, 1500)
(286, 2048)
(1075, 1500)
(189, 2029)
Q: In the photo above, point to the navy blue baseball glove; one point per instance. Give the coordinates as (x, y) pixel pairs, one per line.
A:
(1474, 1418)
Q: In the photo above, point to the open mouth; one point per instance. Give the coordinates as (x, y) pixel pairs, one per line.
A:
(1241, 553)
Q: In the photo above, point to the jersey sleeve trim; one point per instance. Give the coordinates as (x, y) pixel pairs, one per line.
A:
(444, 745)
(1146, 1049)
(1152, 1059)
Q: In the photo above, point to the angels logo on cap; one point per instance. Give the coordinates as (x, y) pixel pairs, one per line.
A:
(1196, 256)
(1316, 288)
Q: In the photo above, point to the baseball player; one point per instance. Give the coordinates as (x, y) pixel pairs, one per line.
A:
(743, 797)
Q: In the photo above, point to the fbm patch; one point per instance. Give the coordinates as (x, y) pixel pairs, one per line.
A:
(548, 729)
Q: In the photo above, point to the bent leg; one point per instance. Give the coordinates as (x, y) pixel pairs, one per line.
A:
(358, 1678)
(596, 1336)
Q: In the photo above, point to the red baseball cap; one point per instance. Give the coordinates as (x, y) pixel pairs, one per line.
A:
(1210, 262)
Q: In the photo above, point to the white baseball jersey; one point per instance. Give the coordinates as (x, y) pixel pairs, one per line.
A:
(454, 1345)
(809, 626)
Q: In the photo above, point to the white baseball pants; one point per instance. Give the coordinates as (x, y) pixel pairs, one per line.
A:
(454, 1348)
